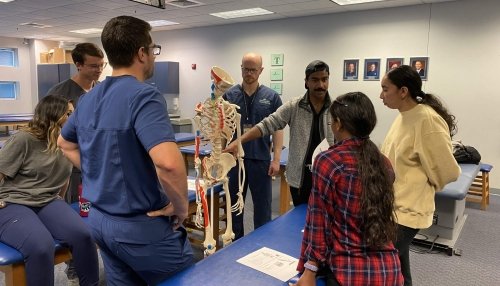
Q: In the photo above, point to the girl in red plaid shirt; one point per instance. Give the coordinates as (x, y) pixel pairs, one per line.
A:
(350, 222)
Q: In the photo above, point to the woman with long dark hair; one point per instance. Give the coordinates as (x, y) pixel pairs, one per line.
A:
(419, 147)
(34, 176)
(350, 221)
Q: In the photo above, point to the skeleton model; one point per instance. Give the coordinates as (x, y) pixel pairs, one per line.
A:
(217, 121)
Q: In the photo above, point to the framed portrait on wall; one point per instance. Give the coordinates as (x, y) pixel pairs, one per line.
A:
(372, 69)
(421, 65)
(393, 63)
(351, 68)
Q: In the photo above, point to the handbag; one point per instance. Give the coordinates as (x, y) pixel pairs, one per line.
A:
(465, 154)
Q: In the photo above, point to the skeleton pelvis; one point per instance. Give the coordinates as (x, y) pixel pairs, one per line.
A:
(217, 170)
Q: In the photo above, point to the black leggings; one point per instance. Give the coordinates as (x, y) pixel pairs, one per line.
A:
(402, 244)
(301, 195)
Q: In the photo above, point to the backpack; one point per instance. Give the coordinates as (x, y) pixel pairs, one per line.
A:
(465, 154)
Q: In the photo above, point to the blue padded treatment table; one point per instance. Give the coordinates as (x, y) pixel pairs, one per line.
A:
(205, 150)
(283, 234)
(188, 153)
(12, 263)
(10, 256)
(15, 119)
(184, 139)
(449, 215)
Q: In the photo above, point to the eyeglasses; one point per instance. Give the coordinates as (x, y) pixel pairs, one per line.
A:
(247, 70)
(156, 49)
(96, 66)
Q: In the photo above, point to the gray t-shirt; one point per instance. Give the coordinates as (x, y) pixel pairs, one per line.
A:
(68, 89)
(33, 177)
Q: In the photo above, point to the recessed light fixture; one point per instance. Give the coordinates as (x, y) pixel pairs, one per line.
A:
(6, 1)
(154, 3)
(184, 3)
(159, 23)
(352, 2)
(87, 31)
(242, 13)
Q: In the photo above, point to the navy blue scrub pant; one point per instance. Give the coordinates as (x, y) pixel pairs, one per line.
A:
(139, 250)
(32, 232)
(261, 188)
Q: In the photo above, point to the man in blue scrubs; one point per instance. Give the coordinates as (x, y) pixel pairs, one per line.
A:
(256, 102)
(121, 138)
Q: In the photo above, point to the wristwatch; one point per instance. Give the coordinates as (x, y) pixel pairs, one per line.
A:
(311, 267)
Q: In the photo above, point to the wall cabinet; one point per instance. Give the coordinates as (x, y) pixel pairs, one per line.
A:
(52, 74)
(166, 77)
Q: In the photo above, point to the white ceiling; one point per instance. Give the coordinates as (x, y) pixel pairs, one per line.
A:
(67, 15)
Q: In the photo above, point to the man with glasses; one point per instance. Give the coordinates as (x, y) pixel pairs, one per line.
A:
(89, 61)
(256, 102)
(309, 122)
(121, 137)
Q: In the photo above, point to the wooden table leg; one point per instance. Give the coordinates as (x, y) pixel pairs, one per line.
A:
(188, 158)
(284, 193)
(216, 220)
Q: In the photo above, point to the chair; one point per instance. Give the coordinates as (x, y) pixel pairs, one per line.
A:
(479, 191)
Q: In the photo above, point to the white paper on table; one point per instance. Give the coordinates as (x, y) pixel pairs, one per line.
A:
(192, 184)
(271, 262)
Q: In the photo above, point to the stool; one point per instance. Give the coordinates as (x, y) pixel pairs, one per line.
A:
(479, 191)
(196, 234)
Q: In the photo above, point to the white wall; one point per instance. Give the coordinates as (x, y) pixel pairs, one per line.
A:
(461, 38)
(21, 74)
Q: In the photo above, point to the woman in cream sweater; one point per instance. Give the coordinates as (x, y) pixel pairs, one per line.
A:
(419, 148)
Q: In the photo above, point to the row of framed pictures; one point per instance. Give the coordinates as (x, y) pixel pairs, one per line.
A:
(372, 68)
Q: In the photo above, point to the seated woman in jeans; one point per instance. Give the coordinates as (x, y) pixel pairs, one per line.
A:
(34, 176)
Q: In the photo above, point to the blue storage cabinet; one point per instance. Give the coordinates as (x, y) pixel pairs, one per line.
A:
(166, 77)
(52, 74)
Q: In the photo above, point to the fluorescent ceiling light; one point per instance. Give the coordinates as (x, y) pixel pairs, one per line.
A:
(34, 25)
(6, 1)
(159, 23)
(242, 13)
(87, 31)
(351, 2)
(39, 36)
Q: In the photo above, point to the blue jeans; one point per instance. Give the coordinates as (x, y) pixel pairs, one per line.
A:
(261, 188)
(32, 232)
(139, 250)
